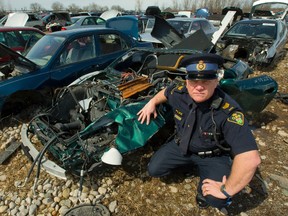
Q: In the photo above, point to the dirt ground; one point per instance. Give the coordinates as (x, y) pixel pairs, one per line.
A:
(138, 194)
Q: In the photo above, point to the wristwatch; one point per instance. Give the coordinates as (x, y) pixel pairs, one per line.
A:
(229, 198)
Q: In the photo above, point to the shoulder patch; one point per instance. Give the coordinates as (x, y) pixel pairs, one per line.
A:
(237, 118)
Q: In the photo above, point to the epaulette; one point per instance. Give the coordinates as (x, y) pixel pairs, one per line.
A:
(227, 108)
(179, 88)
(226, 105)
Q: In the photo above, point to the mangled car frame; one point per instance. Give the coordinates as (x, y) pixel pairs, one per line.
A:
(259, 40)
(97, 113)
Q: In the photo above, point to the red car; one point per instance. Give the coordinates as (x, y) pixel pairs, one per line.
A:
(17, 37)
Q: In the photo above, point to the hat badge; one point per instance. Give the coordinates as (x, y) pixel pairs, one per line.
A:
(201, 65)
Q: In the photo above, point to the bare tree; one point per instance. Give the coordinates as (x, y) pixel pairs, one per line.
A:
(92, 7)
(175, 5)
(35, 7)
(117, 7)
(187, 5)
(1, 5)
(57, 6)
(138, 5)
(73, 8)
(105, 8)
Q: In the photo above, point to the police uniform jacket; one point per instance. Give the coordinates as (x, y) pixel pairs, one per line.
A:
(231, 127)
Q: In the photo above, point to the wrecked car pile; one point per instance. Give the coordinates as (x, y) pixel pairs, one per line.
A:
(259, 41)
(97, 113)
(59, 58)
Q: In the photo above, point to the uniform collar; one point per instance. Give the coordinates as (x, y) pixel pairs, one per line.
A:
(204, 105)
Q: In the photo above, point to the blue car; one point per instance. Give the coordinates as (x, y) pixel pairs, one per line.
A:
(59, 58)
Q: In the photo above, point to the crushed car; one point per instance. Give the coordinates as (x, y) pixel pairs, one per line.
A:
(94, 119)
(259, 40)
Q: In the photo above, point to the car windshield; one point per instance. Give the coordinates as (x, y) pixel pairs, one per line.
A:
(261, 30)
(74, 19)
(44, 49)
(180, 26)
(3, 20)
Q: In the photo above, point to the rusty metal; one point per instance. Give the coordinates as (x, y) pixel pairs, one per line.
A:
(132, 87)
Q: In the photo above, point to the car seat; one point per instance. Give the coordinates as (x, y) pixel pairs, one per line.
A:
(73, 53)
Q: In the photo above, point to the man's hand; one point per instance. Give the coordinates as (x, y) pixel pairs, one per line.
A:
(243, 168)
(211, 187)
(150, 108)
(145, 113)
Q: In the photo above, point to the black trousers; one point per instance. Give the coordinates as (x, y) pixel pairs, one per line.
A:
(169, 157)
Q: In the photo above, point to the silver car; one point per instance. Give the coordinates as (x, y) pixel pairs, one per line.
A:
(84, 22)
(188, 26)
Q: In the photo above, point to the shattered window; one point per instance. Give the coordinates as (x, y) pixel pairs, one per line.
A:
(263, 30)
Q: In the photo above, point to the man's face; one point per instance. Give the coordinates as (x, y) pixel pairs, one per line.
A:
(201, 90)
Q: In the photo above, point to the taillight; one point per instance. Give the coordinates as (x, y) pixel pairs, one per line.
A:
(63, 28)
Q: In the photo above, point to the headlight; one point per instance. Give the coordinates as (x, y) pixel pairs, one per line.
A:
(220, 45)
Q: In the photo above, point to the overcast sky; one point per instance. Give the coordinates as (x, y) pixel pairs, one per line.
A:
(126, 4)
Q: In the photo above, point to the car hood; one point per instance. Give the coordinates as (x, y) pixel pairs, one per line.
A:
(166, 33)
(171, 38)
(16, 19)
(283, 4)
(8, 55)
(110, 14)
(147, 37)
(126, 24)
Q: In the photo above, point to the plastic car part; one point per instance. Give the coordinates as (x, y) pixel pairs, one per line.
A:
(112, 157)
(29, 149)
(260, 90)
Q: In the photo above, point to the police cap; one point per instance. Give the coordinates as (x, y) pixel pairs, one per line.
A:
(202, 66)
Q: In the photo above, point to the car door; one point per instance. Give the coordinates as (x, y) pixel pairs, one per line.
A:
(70, 60)
(77, 58)
(110, 46)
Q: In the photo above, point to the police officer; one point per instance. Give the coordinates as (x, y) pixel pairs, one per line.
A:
(212, 133)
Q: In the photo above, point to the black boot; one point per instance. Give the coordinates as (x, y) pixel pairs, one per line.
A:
(201, 201)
